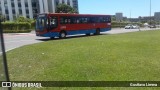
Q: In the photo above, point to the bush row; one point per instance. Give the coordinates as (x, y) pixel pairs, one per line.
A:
(123, 24)
(16, 31)
(16, 26)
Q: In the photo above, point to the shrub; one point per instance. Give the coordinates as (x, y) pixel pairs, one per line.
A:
(17, 31)
(9, 25)
(16, 26)
(123, 24)
(23, 25)
(33, 23)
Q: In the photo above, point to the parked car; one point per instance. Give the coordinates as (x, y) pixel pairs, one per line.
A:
(136, 27)
(130, 26)
(152, 26)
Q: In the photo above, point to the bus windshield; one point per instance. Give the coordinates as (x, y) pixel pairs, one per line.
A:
(41, 23)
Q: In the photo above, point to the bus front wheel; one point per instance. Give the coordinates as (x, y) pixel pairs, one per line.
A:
(62, 34)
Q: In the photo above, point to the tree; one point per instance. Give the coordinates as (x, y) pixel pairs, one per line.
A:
(2, 18)
(63, 8)
(113, 18)
(23, 19)
(152, 22)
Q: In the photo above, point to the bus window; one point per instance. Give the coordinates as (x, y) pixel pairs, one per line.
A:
(92, 20)
(109, 19)
(65, 20)
(73, 20)
(100, 20)
(53, 22)
(78, 21)
(69, 21)
(85, 20)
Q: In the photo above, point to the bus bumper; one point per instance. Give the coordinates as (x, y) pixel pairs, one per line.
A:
(49, 34)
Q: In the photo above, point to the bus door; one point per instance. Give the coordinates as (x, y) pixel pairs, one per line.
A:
(52, 23)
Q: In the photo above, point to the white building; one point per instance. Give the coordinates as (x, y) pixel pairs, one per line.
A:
(30, 8)
(119, 16)
(157, 16)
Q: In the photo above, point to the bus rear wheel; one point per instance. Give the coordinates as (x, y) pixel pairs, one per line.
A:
(62, 34)
(97, 32)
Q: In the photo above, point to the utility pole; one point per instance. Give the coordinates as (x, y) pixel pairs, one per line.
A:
(150, 11)
(3, 60)
(130, 14)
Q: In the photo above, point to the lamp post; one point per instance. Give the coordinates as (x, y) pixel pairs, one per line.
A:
(130, 15)
(4, 73)
(150, 11)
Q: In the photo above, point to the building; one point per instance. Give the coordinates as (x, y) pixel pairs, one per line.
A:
(119, 16)
(157, 16)
(146, 19)
(11, 9)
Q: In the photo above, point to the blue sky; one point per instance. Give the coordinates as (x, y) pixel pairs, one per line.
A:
(135, 7)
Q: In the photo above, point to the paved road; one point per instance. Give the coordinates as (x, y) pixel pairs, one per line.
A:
(122, 30)
(17, 40)
(13, 41)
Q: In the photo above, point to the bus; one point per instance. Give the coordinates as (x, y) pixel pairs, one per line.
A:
(60, 24)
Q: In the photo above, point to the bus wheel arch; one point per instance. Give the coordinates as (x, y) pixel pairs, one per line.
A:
(97, 31)
(62, 34)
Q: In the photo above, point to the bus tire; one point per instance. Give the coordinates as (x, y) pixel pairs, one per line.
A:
(62, 34)
(97, 31)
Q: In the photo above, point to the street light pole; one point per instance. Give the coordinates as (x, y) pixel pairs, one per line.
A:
(3, 60)
(130, 15)
(150, 11)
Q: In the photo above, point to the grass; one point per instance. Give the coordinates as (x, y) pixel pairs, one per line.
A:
(123, 57)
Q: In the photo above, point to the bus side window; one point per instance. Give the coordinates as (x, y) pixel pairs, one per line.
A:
(105, 19)
(100, 20)
(62, 20)
(73, 20)
(48, 23)
(53, 22)
(65, 20)
(69, 21)
(109, 19)
(76, 20)
(92, 20)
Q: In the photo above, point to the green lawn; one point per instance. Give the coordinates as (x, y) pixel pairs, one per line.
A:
(122, 57)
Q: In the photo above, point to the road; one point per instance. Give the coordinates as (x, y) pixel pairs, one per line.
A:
(13, 41)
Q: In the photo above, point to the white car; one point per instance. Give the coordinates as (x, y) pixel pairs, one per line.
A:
(136, 27)
(132, 26)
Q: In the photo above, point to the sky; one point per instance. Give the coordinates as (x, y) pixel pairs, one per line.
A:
(129, 8)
